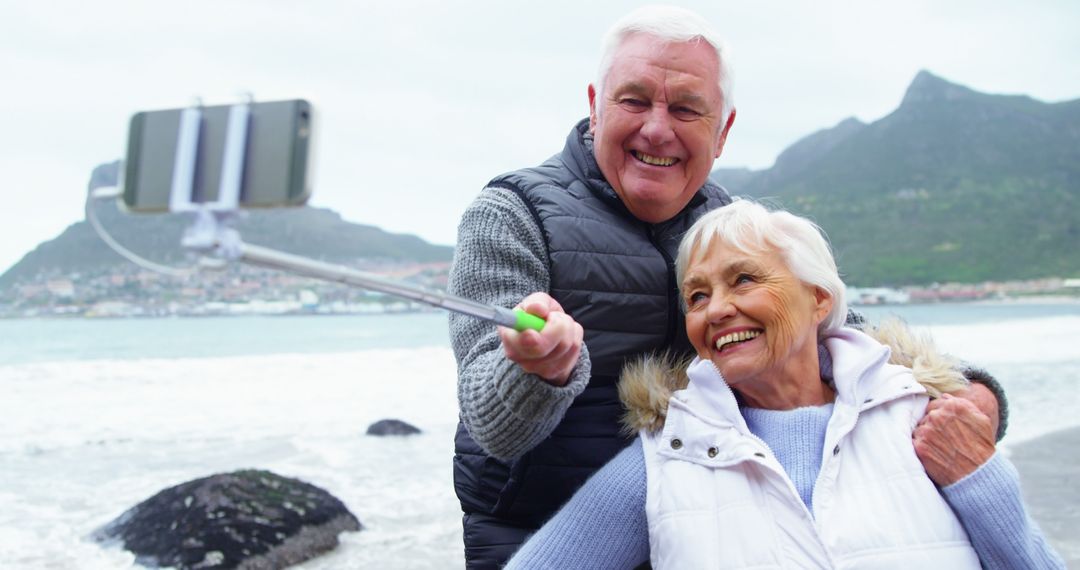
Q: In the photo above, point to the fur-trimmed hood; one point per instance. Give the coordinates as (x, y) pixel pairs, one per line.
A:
(646, 385)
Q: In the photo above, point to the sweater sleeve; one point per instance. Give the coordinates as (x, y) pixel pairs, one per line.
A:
(500, 259)
(602, 526)
(989, 505)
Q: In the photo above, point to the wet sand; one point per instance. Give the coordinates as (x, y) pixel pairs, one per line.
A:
(1050, 474)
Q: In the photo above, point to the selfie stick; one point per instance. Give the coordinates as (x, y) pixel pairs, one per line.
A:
(261, 256)
(210, 232)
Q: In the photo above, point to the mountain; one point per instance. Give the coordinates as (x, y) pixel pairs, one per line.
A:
(954, 185)
(311, 232)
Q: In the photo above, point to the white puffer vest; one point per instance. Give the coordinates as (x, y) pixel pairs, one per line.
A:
(718, 498)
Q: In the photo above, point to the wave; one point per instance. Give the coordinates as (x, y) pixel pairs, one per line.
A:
(63, 404)
(1042, 340)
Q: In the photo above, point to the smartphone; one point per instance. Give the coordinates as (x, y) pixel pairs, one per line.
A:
(276, 162)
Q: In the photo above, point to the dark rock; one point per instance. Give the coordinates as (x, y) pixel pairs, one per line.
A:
(247, 519)
(392, 427)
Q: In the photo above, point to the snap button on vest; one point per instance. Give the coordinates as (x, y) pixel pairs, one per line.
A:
(676, 443)
(713, 451)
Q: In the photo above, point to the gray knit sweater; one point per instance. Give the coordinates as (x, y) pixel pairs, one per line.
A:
(501, 258)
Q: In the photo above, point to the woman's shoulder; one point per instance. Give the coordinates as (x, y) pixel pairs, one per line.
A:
(645, 387)
(934, 370)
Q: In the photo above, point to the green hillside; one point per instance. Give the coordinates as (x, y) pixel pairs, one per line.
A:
(954, 185)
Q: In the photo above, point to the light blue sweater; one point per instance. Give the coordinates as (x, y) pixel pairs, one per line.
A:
(604, 525)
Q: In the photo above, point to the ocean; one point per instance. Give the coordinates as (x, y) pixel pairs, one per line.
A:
(98, 415)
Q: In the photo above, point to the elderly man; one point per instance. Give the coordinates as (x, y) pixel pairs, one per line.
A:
(586, 240)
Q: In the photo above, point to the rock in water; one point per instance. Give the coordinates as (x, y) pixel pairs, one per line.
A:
(248, 519)
(392, 427)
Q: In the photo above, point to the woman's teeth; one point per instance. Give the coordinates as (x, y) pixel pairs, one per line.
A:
(735, 337)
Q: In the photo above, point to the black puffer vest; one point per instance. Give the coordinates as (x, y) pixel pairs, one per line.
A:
(615, 275)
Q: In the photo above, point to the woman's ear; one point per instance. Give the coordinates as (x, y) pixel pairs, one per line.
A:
(823, 304)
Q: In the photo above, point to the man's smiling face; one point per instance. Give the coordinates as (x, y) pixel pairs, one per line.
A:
(657, 123)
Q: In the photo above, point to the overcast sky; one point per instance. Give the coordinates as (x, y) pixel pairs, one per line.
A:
(420, 103)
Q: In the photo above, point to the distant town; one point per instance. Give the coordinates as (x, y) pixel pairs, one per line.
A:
(128, 291)
(1056, 288)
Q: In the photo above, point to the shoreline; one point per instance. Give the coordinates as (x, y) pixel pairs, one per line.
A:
(1050, 476)
(1022, 300)
(1027, 300)
(1030, 300)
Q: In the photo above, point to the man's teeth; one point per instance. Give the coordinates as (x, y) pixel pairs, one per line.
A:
(735, 337)
(655, 160)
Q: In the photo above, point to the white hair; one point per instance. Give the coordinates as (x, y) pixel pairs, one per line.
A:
(673, 25)
(750, 228)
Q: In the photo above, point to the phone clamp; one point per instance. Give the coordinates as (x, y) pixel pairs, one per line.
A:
(211, 231)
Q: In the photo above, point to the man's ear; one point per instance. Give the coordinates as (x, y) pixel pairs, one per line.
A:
(723, 134)
(592, 108)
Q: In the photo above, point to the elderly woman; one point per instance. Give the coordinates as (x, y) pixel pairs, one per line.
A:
(761, 454)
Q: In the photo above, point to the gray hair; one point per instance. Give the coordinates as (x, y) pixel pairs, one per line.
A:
(673, 25)
(750, 228)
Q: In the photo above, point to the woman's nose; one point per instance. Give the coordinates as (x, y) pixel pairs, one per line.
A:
(720, 308)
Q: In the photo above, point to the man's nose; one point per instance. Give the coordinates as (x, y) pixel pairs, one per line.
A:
(658, 126)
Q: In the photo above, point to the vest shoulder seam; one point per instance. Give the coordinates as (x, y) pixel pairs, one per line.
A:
(505, 185)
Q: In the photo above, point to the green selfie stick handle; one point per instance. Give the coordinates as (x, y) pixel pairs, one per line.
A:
(526, 321)
(514, 319)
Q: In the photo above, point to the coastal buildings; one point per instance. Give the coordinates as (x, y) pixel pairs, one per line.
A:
(128, 291)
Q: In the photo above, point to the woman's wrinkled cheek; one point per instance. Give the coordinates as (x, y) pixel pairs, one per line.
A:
(784, 326)
(781, 330)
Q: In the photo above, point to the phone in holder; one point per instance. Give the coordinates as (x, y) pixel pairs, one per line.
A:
(271, 166)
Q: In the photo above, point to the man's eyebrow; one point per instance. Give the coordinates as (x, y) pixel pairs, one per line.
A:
(690, 98)
(634, 87)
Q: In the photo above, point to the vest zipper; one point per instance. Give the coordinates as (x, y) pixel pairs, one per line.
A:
(830, 458)
(672, 289)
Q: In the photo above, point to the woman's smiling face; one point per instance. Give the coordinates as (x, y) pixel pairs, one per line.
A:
(753, 318)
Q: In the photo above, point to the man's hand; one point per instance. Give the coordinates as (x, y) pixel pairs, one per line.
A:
(552, 353)
(953, 439)
(984, 400)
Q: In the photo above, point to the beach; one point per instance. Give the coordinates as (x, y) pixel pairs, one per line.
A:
(1049, 469)
(101, 414)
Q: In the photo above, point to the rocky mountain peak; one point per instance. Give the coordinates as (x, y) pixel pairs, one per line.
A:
(927, 87)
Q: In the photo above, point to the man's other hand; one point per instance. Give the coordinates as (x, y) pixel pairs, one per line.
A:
(953, 439)
(983, 399)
